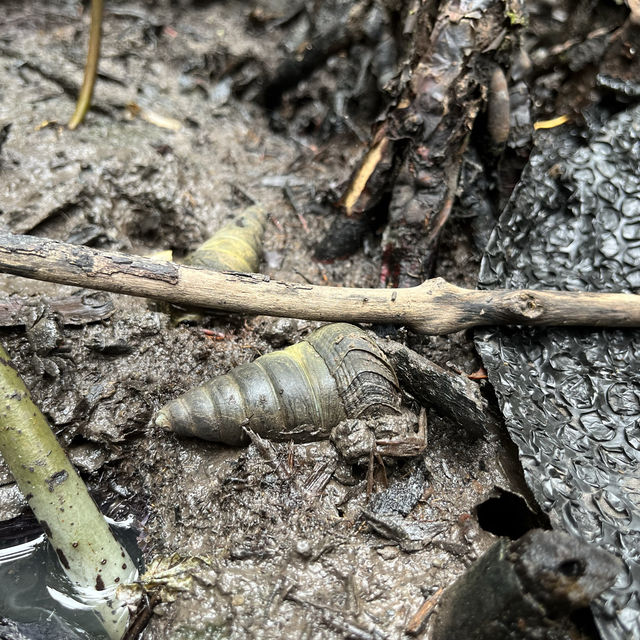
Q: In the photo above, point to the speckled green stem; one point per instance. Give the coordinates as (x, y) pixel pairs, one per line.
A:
(91, 68)
(89, 554)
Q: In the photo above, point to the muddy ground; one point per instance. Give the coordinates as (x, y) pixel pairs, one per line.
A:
(288, 552)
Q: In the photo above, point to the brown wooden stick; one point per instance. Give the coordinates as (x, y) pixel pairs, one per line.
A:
(435, 307)
(418, 620)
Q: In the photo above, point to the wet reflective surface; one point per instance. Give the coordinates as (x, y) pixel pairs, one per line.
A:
(38, 601)
(571, 397)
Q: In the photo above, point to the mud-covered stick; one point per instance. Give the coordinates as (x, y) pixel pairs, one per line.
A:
(525, 590)
(89, 554)
(435, 307)
(91, 67)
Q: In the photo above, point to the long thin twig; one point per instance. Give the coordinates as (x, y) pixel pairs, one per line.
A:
(417, 622)
(91, 68)
(435, 307)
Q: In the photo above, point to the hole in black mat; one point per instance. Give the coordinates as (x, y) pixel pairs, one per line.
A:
(507, 514)
(572, 568)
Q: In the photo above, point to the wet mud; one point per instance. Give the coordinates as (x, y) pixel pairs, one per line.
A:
(193, 122)
(288, 551)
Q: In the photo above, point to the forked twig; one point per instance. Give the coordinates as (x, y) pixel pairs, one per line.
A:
(435, 307)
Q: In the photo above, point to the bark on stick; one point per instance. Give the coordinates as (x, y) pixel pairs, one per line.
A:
(89, 554)
(435, 307)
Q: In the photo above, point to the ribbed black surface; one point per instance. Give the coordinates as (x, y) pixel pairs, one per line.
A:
(571, 398)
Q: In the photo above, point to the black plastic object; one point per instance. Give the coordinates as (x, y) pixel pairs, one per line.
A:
(571, 397)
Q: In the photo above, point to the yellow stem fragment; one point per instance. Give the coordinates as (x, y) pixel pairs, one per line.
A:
(91, 68)
(89, 554)
(550, 124)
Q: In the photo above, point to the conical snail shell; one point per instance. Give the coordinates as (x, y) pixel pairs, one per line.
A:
(298, 393)
(237, 246)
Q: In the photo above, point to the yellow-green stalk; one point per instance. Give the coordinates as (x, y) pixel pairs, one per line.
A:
(91, 68)
(89, 554)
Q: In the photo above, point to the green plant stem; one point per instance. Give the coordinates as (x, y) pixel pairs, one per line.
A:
(89, 554)
(91, 68)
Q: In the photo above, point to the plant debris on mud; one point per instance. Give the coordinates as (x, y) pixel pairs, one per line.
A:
(201, 109)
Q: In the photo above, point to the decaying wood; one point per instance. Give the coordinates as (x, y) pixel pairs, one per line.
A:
(524, 580)
(445, 96)
(80, 308)
(417, 622)
(434, 307)
(433, 386)
(415, 154)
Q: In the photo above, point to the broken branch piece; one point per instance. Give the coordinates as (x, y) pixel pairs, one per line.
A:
(435, 307)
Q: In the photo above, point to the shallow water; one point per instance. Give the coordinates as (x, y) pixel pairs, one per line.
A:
(37, 599)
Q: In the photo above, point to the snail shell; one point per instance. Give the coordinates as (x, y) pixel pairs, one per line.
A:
(299, 393)
(237, 246)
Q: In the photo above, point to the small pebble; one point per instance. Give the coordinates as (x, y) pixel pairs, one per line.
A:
(388, 553)
(303, 548)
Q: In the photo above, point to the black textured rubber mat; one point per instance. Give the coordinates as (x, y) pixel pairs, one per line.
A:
(571, 397)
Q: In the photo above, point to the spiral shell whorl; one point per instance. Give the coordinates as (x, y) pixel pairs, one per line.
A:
(299, 393)
(365, 379)
(237, 246)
